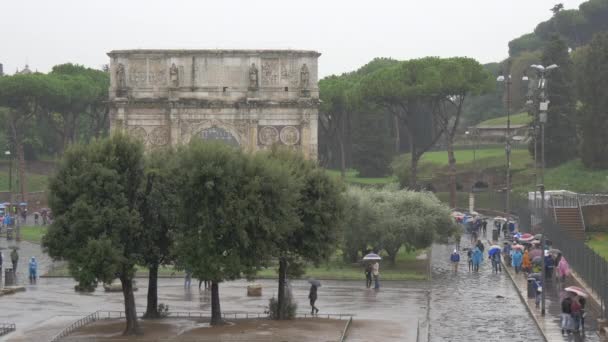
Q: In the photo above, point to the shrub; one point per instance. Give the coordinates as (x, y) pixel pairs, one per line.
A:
(289, 310)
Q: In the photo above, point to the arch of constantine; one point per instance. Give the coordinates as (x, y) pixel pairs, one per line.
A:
(249, 98)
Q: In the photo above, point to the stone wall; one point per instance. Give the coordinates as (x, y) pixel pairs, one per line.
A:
(596, 216)
(250, 98)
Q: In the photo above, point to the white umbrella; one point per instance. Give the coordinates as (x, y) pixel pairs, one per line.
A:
(372, 256)
(577, 290)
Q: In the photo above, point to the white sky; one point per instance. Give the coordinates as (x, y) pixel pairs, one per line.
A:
(348, 33)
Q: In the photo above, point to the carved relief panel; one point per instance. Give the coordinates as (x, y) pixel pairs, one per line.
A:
(285, 135)
(137, 72)
(270, 71)
(157, 72)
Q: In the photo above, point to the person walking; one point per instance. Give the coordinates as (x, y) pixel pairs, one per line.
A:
(376, 274)
(506, 253)
(526, 264)
(480, 246)
(496, 264)
(188, 279)
(470, 259)
(455, 259)
(33, 268)
(516, 260)
(1, 261)
(36, 216)
(583, 302)
(484, 227)
(477, 256)
(566, 318)
(368, 275)
(312, 295)
(14, 259)
(575, 309)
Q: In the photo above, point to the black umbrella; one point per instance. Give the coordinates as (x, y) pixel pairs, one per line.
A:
(314, 282)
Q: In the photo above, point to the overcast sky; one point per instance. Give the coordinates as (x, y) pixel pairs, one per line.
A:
(348, 33)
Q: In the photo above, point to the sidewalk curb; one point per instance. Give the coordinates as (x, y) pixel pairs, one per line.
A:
(523, 298)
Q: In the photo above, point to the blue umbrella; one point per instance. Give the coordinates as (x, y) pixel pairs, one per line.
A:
(491, 252)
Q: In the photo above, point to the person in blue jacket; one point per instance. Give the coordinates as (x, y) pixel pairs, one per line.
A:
(33, 267)
(516, 260)
(477, 257)
(455, 259)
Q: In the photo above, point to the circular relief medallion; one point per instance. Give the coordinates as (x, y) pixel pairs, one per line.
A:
(139, 133)
(159, 136)
(268, 135)
(290, 135)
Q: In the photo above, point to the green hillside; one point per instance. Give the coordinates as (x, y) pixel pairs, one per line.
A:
(516, 119)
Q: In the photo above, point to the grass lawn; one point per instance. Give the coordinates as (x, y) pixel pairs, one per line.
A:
(599, 243)
(516, 119)
(33, 233)
(35, 182)
(407, 267)
(352, 177)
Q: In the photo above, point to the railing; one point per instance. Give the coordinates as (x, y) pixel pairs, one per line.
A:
(345, 331)
(585, 261)
(580, 212)
(6, 328)
(76, 325)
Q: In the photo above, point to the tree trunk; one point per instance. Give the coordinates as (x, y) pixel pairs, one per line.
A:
(282, 276)
(413, 172)
(216, 311)
(130, 311)
(392, 255)
(451, 170)
(21, 163)
(152, 307)
(342, 158)
(397, 134)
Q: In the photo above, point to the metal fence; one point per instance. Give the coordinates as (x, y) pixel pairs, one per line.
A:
(589, 265)
(104, 315)
(6, 328)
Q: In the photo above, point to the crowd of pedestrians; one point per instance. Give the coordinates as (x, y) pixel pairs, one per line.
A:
(526, 254)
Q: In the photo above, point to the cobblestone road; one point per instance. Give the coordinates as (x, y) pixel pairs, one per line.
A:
(470, 306)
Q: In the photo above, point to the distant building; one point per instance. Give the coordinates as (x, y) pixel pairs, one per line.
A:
(25, 71)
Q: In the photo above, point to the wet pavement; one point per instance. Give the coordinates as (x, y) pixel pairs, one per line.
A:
(26, 250)
(52, 304)
(470, 306)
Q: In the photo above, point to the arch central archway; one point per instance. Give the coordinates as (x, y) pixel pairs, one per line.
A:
(215, 133)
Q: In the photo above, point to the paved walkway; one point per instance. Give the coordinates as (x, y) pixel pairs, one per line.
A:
(475, 306)
(550, 323)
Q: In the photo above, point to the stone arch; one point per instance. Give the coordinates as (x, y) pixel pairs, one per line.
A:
(198, 129)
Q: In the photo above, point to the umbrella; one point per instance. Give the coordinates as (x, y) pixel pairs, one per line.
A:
(538, 236)
(500, 218)
(491, 252)
(537, 260)
(577, 290)
(494, 247)
(314, 282)
(527, 237)
(535, 253)
(518, 246)
(372, 256)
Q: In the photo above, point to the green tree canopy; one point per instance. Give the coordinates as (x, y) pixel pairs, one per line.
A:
(97, 224)
(560, 129)
(593, 91)
(233, 207)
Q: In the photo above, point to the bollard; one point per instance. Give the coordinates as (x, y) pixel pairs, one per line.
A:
(9, 277)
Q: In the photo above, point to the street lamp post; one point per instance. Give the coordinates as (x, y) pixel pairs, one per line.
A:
(543, 107)
(507, 81)
(10, 174)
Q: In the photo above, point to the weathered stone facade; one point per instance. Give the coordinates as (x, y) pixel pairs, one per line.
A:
(253, 98)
